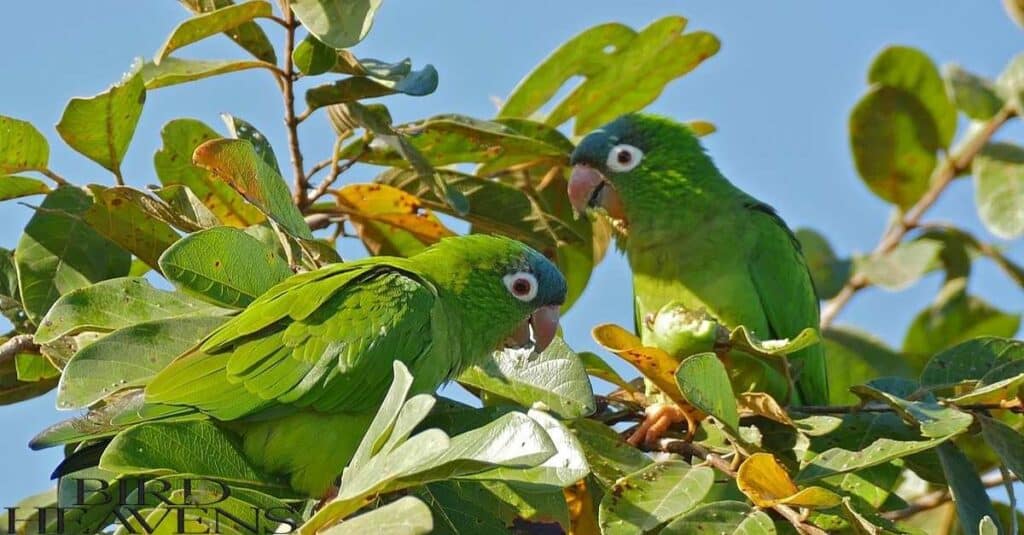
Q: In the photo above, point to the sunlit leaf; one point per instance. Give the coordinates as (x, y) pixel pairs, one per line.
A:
(766, 483)
(337, 23)
(22, 147)
(598, 367)
(173, 163)
(625, 70)
(15, 187)
(704, 383)
(173, 71)
(241, 129)
(223, 266)
(555, 379)
(405, 516)
(999, 183)
(388, 220)
(210, 23)
(126, 217)
(354, 88)
(911, 70)
(973, 95)
(725, 518)
(902, 266)
(933, 420)
(236, 162)
(102, 126)
(988, 358)
(655, 364)
(657, 493)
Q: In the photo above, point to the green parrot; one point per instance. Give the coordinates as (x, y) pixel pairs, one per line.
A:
(298, 376)
(694, 238)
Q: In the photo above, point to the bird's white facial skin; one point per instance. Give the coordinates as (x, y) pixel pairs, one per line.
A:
(522, 285)
(624, 158)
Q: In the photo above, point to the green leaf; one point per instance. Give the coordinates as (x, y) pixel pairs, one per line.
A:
(223, 266)
(555, 379)
(855, 357)
(598, 367)
(113, 304)
(59, 252)
(125, 216)
(911, 70)
(837, 461)
(744, 340)
(902, 266)
(451, 138)
(999, 188)
(988, 358)
(625, 70)
(236, 162)
(828, 272)
(1006, 441)
(128, 358)
(934, 420)
(197, 447)
(391, 458)
(725, 518)
(22, 147)
(210, 23)
(405, 516)
(654, 495)
(995, 392)
(969, 493)
(415, 83)
(174, 166)
(955, 317)
(15, 187)
(31, 367)
(1010, 84)
(173, 71)
(462, 507)
(609, 456)
(102, 126)
(311, 57)
(894, 142)
(973, 95)
(248, 35)
(242, 129)
(703, 381)
(337, 23)
(567, 466)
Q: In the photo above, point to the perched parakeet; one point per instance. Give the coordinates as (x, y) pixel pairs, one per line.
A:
(694, 238)
(299, 374)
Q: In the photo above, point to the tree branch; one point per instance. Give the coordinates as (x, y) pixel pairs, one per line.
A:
(57, 179)
(943, 175)
(17, 344)
(336, 171)
(288, 92)
(682, 447)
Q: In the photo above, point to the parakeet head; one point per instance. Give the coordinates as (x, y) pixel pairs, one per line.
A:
(504, 286)
(635, 164)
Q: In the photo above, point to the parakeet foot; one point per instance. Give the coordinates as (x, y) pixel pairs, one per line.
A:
(658, 418)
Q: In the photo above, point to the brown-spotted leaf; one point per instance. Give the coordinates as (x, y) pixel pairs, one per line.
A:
(653, 363)
(389, 220)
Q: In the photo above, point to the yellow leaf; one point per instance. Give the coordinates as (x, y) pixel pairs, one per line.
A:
(767, 483)
(762, 404)
(656, 365)
(582, 517)
(701, 128)
(383, 214)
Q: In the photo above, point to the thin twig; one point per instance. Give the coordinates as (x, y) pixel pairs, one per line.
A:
(336, 171)
(317, 167)
(18, 344)
(690, 449)
(288, 92)
(943, 175)
(940, 497)
(57, 179)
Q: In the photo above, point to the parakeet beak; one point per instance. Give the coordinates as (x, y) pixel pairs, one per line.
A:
(588, 188)
(543, 323)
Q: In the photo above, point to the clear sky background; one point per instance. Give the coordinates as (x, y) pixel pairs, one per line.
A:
(780, 91)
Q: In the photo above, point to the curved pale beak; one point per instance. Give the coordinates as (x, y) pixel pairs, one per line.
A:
(588, 188)
(539, 329)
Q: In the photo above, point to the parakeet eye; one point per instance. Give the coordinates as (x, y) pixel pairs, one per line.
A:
(624, 158)
(522, 285)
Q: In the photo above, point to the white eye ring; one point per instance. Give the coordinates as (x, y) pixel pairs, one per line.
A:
(522, 285)
(624, 158)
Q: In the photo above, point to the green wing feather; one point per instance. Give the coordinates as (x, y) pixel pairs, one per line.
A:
(788, 298)
(324, 339)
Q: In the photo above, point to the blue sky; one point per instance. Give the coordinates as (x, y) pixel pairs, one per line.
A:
(780, 91)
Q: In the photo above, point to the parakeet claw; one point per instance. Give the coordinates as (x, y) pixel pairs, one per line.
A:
(658, 418)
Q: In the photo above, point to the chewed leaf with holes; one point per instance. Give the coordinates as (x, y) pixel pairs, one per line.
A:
(657, 493)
